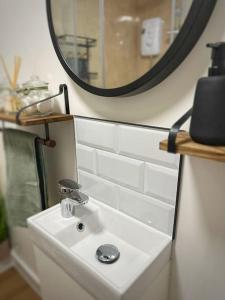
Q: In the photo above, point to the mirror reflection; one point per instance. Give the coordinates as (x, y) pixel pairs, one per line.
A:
(109, 44)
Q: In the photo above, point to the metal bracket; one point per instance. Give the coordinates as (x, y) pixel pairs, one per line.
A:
(47, 141)
(175, 129)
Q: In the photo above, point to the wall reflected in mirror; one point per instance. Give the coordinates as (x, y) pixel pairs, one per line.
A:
(111, 43)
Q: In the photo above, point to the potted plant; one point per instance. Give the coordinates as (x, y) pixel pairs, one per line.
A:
(4, 243)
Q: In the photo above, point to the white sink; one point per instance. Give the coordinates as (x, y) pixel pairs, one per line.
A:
(144, 251)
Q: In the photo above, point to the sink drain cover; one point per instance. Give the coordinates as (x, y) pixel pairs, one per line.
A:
(107, 254)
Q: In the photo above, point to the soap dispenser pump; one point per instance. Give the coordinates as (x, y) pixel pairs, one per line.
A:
(208, 114)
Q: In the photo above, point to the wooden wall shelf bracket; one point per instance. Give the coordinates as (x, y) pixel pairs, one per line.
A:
(21, 120)
(180, 142)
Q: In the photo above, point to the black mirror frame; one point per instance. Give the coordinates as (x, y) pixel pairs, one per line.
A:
(188, 36)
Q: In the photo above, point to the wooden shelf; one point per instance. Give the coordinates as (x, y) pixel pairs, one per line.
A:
(186, 146)
(35, 120)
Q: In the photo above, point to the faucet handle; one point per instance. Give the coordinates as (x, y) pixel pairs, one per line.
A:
(68, 186)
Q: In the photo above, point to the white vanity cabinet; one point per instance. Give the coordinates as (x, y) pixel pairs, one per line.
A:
(55, 283)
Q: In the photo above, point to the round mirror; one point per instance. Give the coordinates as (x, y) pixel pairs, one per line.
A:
(114, 48)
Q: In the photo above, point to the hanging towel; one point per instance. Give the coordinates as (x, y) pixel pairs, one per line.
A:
(26, 192)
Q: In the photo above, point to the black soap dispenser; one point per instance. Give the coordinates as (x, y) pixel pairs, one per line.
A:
(208, 115)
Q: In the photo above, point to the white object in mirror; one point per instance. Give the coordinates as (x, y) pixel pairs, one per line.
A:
(151, 38)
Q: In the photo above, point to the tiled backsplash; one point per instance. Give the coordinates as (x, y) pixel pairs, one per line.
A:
(122, 166)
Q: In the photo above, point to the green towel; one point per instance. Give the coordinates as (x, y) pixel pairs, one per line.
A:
(26, 192)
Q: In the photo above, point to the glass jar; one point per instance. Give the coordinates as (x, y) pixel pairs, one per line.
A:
(35, 90)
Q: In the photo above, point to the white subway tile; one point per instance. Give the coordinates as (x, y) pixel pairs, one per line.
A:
(98, 188)
(122, 166)
(147, 210)
(96, 134)
(143, 143)
(122, 170)
(161, 182)
(85, 158)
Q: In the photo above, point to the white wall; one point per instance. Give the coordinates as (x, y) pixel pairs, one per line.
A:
(199, 254)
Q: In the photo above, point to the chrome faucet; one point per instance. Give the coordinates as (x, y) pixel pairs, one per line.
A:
(71, 197)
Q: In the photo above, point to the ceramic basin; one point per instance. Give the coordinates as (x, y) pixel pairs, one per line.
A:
(144, 251)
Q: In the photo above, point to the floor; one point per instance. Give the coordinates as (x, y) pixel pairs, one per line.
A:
(13, 287)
